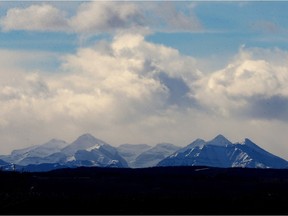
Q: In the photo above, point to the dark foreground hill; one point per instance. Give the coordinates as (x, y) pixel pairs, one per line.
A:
(158, 190)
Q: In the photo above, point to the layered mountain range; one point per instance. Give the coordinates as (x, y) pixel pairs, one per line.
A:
(220, 152)
(89, 151)
(84, 151)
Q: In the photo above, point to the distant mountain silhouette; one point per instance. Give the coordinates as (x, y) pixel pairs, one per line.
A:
(220, 152)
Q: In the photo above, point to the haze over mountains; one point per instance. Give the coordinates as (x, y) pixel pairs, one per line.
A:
(89, 151)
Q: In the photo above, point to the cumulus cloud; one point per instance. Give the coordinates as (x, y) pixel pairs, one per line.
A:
(250, 85)
(130, 82)
(131, 90)
(43, 17)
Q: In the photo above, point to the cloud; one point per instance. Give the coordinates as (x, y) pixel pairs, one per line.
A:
(42, 17)
(105, 16)
(126, 89)
(119, 85)
(250, 85)
(131, 90)
(166, 16)
(98, 17)
(15, 60)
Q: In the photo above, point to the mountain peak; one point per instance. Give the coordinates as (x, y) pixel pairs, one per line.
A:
(197, 142)
(88, 140)
(220, 152)
(248, 142)
(219, 140)
(220, 136)
(86, 136)
(84, 142)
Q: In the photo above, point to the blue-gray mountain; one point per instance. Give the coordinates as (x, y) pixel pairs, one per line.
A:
(220, 152)
(85, 151)
(142, 155)
(90, 151)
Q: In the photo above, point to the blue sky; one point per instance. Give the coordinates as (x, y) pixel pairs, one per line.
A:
(144, 71)
(257, 23)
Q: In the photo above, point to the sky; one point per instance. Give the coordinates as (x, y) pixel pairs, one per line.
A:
(144, 72)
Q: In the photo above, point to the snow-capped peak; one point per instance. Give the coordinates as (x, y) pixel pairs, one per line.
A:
(84, 142)
(220, 152)
(219, 140)
(88, 141)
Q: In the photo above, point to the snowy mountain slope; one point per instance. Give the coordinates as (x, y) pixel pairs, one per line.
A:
(219, 140)
(220, 152)
(93, 152)
(154, 155)
(86, 150)
(84, 142)
(35, 153)
(103, 156)
(260, 156)
(18, 154)
(131, 151)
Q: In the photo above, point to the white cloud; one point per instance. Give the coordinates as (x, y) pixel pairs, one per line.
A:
(102, 17)
(256, 78)
(42, 17)
(105, 16)
(130, 90)
(117, 88)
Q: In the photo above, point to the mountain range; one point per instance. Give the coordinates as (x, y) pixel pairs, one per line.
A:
(220, 152)
(86, 150)
(89, 151)
(142, 155)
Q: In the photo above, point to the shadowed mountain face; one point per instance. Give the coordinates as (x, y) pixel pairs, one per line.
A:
(220, 152)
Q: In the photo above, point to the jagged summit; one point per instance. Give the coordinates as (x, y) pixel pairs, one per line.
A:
(198, 142)
(87, 141)
(87, 150)
(84, 142)
(220, 152)
(219, 140)
(246, 141)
